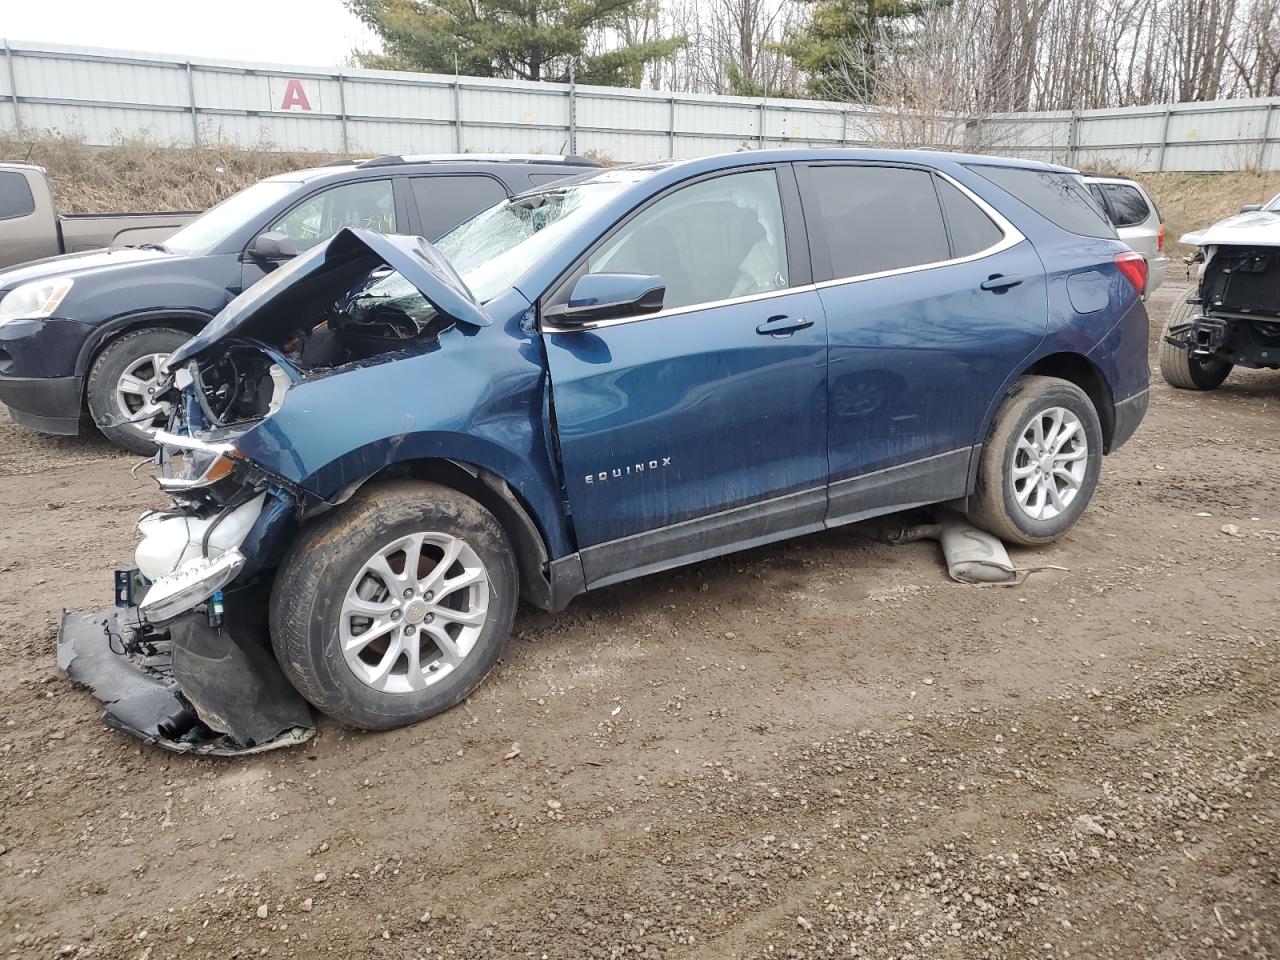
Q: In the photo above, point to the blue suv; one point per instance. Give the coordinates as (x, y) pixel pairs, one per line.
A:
(386, 444)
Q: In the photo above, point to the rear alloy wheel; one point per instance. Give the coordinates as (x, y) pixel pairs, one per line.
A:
(123, 384)
(1178, 367)
(1040, 464)
(394, 606)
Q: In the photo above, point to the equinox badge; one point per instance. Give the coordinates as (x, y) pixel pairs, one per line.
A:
(631, 469)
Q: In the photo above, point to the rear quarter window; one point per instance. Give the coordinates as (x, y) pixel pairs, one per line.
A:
(971, 230)
(1128, 207)
(15, 196)
(1061, 198)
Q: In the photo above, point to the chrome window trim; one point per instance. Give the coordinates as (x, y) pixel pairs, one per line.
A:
(1012, 236)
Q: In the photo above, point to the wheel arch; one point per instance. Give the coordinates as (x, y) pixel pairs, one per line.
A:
(1084, 373)
(188, 321)
(495, 494)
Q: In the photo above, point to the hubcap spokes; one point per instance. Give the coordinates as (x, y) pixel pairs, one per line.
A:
(1049, 463)
(136, 391)
(414, 612)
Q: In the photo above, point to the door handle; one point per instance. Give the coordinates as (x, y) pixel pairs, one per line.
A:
(999, 282)
(783, 325)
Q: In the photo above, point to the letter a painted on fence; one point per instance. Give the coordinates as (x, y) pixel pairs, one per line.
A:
(295, 96)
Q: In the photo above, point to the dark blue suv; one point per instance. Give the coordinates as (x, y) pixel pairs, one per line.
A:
(82, 336)
(387, 443)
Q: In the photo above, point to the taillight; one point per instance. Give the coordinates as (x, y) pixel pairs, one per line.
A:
(1134, 267)
(1160, 239)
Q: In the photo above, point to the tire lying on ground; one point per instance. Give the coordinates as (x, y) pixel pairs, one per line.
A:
(393, 607)
(1040, 464)
(119, 383)
(1177, 366)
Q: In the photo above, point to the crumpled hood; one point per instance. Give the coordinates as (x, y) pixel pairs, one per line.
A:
(350, 253)
(75, 264)
(1257, 228)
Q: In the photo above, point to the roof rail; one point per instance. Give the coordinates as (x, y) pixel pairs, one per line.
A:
(393, 159)
(383, 161)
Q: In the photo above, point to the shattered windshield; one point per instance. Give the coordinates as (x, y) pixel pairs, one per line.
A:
(494, 248)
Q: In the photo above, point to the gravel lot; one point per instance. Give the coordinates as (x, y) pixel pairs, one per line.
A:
(820, 748)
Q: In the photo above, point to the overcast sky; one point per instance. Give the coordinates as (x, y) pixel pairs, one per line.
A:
(310, 32)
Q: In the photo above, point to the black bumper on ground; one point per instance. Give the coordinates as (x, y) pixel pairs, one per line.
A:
(184, 685)
(1129, 414)
(47, 404)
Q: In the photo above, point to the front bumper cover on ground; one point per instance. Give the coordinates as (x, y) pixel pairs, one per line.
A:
(186, 686)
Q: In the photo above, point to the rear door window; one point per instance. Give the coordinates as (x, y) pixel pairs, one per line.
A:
(1128, 208)
(972, 231)
(444, 201)
(878, 218)
(1058, 197)
(15, 196)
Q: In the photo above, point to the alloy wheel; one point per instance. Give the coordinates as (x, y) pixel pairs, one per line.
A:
(1049, 463)
(136, 391)
(414, 612)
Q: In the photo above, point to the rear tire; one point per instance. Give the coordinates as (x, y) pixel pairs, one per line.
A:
(431, 647)
(120, 379)
(1028, 498)
(1177, 366)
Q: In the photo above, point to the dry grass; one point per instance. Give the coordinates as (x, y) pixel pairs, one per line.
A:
(1189, 201)
(138, 175)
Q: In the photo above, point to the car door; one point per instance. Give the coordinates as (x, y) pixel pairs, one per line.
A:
(932, 299)
(700, 428)
(369, 204)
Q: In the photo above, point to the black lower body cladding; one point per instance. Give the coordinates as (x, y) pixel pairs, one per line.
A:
(184, 685)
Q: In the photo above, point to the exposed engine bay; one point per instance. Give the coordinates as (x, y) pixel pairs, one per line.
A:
(1239, 306)
(245, 380)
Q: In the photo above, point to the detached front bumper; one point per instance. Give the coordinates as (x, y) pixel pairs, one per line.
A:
(186, 686)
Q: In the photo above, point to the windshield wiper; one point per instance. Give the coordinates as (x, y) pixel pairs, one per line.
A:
(154, 246)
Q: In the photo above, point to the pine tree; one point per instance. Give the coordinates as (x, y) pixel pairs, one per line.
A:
(514, 39)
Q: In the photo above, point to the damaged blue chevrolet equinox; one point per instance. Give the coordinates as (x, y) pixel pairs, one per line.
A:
(382, 447)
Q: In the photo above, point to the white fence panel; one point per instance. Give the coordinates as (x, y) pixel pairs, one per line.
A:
(104, 95)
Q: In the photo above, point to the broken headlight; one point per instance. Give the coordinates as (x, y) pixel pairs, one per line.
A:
(200, 463)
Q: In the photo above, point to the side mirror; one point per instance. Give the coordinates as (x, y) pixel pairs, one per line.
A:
(608, 296)
(1250, 207)
(272, 245)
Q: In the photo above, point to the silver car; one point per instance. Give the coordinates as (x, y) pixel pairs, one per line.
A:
(1134, 215)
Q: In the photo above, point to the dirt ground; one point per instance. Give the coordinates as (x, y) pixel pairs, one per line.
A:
(817, 749)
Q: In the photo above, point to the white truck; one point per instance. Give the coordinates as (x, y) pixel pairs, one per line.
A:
(1231, 318)
(32, 229)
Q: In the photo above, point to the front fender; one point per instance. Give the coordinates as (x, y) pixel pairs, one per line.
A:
(471, 397)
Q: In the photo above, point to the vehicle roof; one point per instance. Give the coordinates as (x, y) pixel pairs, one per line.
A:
(22, 164)
(440, 163)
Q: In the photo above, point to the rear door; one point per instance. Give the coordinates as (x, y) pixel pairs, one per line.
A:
(932, 299)
(700, 428)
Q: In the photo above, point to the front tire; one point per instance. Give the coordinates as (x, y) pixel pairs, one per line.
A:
(1040, 464)
(1178, 367)
(122, 384)
(394, 606)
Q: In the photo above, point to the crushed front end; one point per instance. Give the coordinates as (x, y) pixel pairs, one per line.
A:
(184, 660)
(1237, 301)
